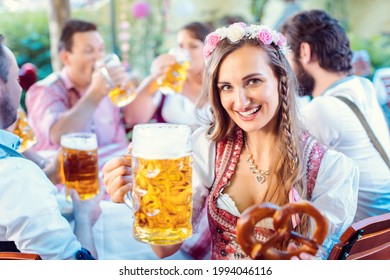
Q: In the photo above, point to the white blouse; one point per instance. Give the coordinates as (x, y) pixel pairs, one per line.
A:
(178, 109)
(334, 124)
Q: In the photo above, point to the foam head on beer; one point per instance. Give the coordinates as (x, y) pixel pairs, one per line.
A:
(80, 164)
(161, 140)
(79, 141)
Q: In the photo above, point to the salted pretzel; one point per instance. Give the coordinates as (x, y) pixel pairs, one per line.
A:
(283, 230)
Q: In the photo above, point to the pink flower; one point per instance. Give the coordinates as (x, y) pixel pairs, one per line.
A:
(265, 36)
(213, 39)
(140, 9)
(281, 40)
(207, 50)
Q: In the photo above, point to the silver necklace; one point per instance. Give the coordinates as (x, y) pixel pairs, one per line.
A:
(259, 174)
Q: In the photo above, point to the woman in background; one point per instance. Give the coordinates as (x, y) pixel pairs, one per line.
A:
(180, 108)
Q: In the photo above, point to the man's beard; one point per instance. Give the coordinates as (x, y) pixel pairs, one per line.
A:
(306, 81)
(8, 113)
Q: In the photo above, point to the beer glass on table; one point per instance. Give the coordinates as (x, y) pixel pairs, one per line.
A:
(120, 95)
(80, 164)
(162, 183)
(174, 79)
(24, 131)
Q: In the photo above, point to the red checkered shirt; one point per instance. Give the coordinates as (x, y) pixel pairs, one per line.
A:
(49, 98)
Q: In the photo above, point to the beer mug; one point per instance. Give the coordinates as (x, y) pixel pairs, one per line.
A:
(80, 164)
(120, 95)
(24, 131)
(174, 79)
(162, 183)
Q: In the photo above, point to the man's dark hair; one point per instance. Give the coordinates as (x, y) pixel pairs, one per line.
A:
(327, 39)
(4, 62)
(71, 27)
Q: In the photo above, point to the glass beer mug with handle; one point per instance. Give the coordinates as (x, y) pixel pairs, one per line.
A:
(120, 95)
(80, 164)
(174, 79)
(162, 183)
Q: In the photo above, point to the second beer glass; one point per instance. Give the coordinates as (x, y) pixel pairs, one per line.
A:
(120, 95)
(162, 186)
(174, 79)
(80, 164)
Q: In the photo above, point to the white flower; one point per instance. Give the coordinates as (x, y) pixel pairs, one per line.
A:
(222, 32)
(253, 31)
(275, 37)
(235, 33)
(285, 50)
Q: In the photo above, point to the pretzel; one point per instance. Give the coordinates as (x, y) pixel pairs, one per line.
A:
(282, 225)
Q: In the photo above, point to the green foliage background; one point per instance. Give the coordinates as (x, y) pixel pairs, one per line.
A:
(27, 34)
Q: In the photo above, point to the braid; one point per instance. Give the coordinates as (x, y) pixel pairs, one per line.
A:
(289, 138)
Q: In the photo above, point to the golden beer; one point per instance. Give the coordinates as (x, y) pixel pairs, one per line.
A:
(162, 199)
(162, 184)
(24, 131)
(176, 75)
(120, 95)
(80, 164)
(174, 80)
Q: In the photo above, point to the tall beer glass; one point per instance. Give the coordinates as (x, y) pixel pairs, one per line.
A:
(162, 183)
(24, 131)
(174, 79)
(80, 164)
(120, 95)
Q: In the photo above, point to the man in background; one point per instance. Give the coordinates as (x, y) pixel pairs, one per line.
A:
(321, 59)
(76, 98)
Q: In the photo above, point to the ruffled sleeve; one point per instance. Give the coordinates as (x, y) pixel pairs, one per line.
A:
(335, 194)
(203, 170)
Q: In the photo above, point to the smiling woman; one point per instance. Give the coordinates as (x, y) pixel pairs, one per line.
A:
(248, 94)
(254, 113)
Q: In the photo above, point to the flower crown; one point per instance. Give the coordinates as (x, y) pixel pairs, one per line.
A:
(236, 31)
